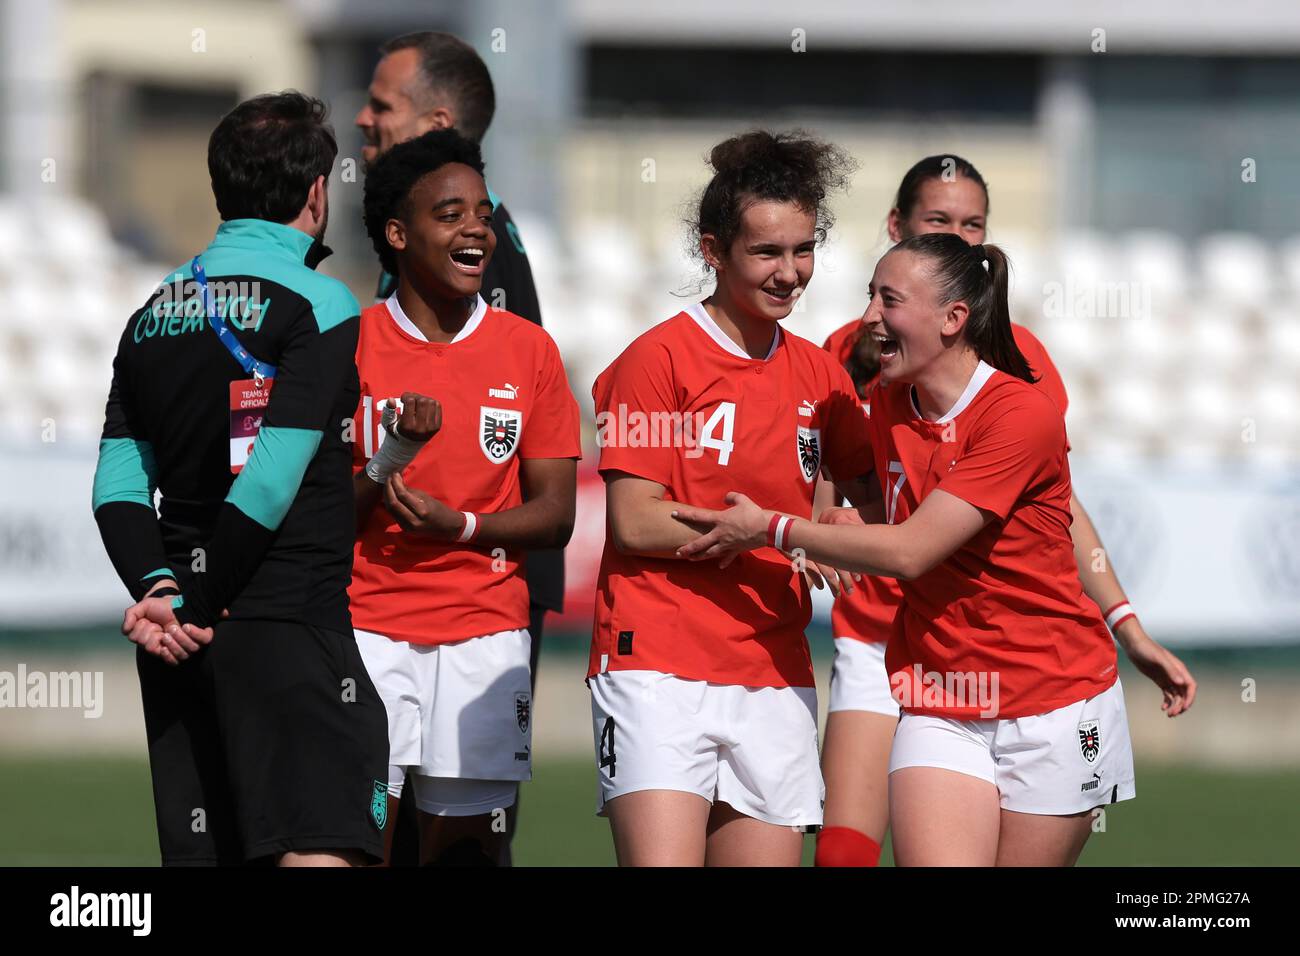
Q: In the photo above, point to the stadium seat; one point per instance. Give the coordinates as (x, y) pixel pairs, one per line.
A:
(74, 231)
(1281, 340)
(1236, 268)
(1209, 409)
(1289, 260)
(1150, 347)
(1135, 406)
(611, 254)
(1075, 345)
(1083, 257)
(1158, 261)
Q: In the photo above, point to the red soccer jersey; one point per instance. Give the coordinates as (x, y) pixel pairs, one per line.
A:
(1008, 602)
(867, 612)
(685, 407)
(504, 396)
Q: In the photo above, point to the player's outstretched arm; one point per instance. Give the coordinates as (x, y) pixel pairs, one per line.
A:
(641, 521)
(941, 525)
(1101, 584)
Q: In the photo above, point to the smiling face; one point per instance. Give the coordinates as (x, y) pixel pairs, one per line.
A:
(392, 113)
(906, 320)
(960, 207)
(770, 262)
(445, 239)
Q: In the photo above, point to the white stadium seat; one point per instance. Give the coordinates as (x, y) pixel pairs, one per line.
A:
(1136, 406)
(1235, 267)
(611, 256)
(1158, 260)
(1075, 345)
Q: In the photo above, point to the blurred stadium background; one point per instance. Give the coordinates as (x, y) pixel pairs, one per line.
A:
(1144, 168)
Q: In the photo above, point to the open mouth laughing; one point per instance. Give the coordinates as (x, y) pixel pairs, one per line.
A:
(469, 259)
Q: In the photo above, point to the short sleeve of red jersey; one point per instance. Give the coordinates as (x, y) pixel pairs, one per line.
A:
(1049, 379)
(636, 386)
(847, 435)
(1019, 440)
(553, 428)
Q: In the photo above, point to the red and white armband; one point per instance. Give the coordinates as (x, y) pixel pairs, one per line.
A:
(778, 531)
(1118, 614)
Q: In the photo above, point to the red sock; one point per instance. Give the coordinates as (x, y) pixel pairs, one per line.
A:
(844, 846)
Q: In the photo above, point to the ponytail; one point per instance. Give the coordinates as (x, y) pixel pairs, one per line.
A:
(978, 275)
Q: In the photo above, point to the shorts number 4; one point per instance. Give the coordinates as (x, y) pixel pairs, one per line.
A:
(606, 748)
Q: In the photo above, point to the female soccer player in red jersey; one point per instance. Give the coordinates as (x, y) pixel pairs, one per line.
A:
(1013, 725)
(938, 194)
(449, 495)
(703, 699)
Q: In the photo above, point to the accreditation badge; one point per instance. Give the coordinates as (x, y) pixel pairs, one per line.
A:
(248, 401)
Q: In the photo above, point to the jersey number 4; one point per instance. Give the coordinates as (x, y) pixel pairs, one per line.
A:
(606, 749)
(723, 419)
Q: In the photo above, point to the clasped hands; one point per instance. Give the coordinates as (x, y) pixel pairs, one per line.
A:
(151, 624)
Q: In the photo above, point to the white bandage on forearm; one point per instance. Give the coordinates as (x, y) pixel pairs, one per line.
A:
(394, 452)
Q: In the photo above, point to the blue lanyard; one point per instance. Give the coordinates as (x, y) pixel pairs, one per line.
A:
(259, 370)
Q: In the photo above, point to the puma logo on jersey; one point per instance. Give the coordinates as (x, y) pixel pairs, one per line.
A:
(807, 408)
(506, 391)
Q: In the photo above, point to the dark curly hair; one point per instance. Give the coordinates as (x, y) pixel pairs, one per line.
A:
(392, 177)
(761, 165)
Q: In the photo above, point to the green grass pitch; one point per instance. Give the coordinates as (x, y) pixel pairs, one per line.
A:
(99, 812)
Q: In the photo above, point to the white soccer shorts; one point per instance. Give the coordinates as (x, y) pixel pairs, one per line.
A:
(859, 680)
(459, 718)
(754, 748)
(1067, 760)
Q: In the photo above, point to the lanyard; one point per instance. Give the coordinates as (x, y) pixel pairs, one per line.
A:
(260, 370)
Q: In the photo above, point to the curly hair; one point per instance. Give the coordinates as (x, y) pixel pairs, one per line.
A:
(390, 180)
(761, 165)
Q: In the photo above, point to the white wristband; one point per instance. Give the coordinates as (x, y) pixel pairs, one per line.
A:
(395, 452)
(471, 527)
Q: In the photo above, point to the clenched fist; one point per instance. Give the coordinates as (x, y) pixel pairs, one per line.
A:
(420, 418)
